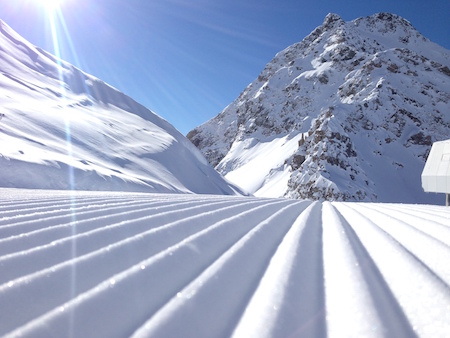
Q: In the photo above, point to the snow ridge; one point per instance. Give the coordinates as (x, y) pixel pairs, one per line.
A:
(208, 266)
(64, 129)
(359, 104)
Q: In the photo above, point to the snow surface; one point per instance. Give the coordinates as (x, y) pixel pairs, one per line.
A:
(259, 162)
(64, 129)
(110, 264)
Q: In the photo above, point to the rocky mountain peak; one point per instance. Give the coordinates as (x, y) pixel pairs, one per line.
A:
(331, 21)
(389, 22)
(350, 113)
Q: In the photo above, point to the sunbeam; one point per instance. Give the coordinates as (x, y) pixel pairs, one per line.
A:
(50, 5)
(54, 13)
(57, 51)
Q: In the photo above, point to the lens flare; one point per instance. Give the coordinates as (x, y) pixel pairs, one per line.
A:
(50, 4)
(56, 21)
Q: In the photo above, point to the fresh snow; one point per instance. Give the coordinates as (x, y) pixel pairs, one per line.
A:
(111, 264)
(64, 129)
(259, 162)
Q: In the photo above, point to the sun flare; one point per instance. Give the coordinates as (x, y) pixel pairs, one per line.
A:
(50, 4)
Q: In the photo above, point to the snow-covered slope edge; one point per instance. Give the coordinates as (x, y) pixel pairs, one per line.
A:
(349, 113)
(104, 264)
(64, 129)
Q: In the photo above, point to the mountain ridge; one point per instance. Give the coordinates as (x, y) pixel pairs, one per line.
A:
(65, 129)
(348, 94)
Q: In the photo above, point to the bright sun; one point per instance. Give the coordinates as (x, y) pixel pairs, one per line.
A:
(50, 4)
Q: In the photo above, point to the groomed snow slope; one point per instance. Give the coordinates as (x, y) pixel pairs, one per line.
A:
(98, 264)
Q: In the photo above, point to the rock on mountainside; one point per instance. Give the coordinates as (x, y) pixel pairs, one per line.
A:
(349, 113)
(64, 129)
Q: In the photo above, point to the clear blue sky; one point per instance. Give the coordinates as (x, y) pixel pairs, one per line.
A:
(188, 59)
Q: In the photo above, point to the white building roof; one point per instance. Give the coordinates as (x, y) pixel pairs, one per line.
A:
(436, 174)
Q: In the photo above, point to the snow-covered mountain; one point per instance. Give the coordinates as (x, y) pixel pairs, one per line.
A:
(349, 113)
(62, 128)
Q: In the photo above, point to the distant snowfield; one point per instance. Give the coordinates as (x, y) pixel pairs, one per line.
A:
(255, 162)
(109, 264)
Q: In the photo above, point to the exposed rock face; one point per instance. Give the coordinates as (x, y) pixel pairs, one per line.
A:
(363, 101)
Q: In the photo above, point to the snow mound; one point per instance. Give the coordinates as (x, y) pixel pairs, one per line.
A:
(64, 129)
(105, 264)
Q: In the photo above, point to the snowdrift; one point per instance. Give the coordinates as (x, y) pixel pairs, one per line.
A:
(64, 129)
